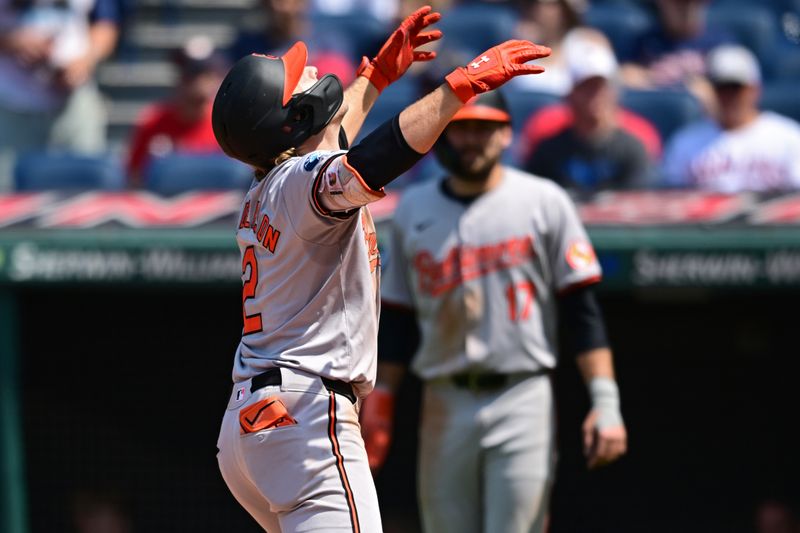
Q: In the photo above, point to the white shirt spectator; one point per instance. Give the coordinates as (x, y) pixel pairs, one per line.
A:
(67, 24)
(761, 156)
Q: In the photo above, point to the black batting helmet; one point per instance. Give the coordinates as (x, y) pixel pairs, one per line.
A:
(256, 116)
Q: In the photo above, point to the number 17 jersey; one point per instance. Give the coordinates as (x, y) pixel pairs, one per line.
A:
(484, 275)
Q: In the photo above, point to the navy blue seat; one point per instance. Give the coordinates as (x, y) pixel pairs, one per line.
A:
(392, 101)
(619, 3)
(624, 25)
(786, 65)
(778, 6)
(37, 171)
(782, 98)
(366, 34)
(753, 25)
(477, 27)
(523, 104)
(178, 173)
(667, 110)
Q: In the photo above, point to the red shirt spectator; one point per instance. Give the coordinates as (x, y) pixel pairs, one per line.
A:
(183, 123)
(553, 119)
(163, 129)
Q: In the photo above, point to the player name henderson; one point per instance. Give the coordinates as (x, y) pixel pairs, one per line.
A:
(465, 263)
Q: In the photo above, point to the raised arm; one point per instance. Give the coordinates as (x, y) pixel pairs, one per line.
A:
(391, 62)
(395, 146)
(360, 96)
(423, 122)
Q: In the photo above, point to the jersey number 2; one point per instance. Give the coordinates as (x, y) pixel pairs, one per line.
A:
(252, 323)
(520, 299)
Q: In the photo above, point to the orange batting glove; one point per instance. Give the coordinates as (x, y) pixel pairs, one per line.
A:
(377, 417)
(494, 67)
(398, 52)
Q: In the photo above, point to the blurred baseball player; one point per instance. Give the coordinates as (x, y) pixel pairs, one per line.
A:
(290, 446)
(480, 261)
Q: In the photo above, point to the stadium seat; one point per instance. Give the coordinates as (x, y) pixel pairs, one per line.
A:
(616, 3)
(177, 173)
(392, 100)
(753, 25)
(37, 171)
(476, 27)
(789, 6)
(778, 6)
(406, 89)
(623, 24)
(667, 110)
(782, 98)
(523, 104)
(365, 33)
(786, 65)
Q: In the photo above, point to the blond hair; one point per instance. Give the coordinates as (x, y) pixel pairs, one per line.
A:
(280, 158)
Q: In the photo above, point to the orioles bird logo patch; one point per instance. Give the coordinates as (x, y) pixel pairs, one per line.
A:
(580, 255)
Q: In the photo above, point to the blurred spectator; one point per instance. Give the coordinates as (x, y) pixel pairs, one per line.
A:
(594, 152)
(744, 149)
(774, 516)
(183, 123)
(554, 119)
(674, 55)
(283, 22)
(549, 22)
(100, 512)
(409, 6)
(49, 50)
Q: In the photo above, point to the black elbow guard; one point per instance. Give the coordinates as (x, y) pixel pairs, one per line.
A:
(383, 155)
(583, 321)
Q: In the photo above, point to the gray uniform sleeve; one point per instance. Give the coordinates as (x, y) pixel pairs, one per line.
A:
(299, 178)
(572, 258)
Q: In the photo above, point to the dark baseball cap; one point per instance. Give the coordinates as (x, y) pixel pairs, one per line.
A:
(489, 106)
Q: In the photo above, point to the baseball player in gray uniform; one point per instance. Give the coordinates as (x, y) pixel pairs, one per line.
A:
(479, 263)
(290, 445)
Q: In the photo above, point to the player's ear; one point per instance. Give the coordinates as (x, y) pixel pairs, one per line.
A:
(508, 135)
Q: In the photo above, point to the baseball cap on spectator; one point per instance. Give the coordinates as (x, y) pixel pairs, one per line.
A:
(198, 56)
(573, 9)
(733, 64)
(588, 56)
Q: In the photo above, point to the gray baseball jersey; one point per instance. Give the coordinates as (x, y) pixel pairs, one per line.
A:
(483, 277)
(290, 449)
(310, 272)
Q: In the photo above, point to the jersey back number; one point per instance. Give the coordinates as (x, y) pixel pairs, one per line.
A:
(252, 323)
